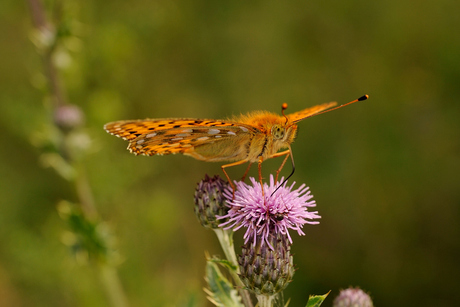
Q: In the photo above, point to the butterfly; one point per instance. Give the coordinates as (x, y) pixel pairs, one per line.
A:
(251, 138)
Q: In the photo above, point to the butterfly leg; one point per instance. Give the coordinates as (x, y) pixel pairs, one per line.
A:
(246, 172)
(279, 154)
(261, 159)
(228, 177)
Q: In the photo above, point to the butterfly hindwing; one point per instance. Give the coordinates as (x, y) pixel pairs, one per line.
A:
(170, 136)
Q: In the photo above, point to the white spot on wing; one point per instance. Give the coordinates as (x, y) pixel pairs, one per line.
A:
(177, 139)
(183, 134)
(150, 135)
(140, 141)
(213, 131)
(218, 136)
(244, 129)
(231, 133)
(203, 138)
(186, 130)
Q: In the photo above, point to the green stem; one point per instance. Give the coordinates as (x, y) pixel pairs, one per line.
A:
(112, 284)
(226, 242)
(265, 300)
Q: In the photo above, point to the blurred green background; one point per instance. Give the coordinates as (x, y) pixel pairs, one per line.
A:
(384, 172)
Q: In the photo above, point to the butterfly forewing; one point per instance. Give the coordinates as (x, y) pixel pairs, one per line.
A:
(132, 129)
(298, 116)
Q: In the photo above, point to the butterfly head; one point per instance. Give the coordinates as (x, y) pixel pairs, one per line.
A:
(283, 134)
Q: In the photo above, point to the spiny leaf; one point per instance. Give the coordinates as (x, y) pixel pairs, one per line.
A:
(316, 300)
(224, 263)
(221, 292)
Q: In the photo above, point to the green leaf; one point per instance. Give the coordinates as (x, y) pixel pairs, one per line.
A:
(88, 238)
(221, 292)
(316, 300)
(224, 263)
(287, 303)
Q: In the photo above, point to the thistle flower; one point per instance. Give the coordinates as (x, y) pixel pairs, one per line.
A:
(210, 201)
(264, 270)
(285, 209)
(353, 297)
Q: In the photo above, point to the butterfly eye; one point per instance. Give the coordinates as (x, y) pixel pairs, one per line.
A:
(278, 132)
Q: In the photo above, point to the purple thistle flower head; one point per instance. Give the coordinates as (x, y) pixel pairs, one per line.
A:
(285, 209)
(353, 297)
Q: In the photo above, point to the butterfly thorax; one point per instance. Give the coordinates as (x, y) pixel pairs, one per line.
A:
(275, 133)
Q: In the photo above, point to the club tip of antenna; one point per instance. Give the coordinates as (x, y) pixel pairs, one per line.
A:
(363, 97)
(284, 106)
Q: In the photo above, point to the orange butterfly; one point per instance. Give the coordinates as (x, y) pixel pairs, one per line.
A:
(254, 137)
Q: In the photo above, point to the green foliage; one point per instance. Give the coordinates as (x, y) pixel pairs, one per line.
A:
(88, 239)
(316, 300)
(223, 262)
(221, 292)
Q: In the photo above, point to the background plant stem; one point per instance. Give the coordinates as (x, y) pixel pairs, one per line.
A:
(226, 242)
(107, 272)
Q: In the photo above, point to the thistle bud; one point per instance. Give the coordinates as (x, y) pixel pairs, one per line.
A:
(68, 117)
(210, 201)
(267, 270)
(353, 297)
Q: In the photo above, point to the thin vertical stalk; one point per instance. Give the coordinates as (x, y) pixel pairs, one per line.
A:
(107, 272)
(226, 242)
(112, 285)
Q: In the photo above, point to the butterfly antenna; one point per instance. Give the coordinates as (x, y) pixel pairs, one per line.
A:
(343, 105)
(284, 107)
(290, 175)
